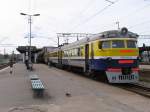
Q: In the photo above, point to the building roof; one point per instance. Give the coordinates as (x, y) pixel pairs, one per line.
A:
(23, 49)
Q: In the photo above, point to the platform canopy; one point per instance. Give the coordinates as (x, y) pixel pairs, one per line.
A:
(23, 49)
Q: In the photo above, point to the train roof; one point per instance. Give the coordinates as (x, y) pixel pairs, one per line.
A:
(123, 33)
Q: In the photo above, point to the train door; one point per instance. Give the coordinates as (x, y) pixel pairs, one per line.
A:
(91, 57)
(60, 57)
(87, 57)
(92, 51)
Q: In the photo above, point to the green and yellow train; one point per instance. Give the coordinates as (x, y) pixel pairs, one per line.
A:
(110, 54)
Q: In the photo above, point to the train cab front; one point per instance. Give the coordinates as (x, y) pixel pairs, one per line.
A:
(121, 59)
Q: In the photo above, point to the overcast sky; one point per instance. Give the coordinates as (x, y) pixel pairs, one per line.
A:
(84, 16)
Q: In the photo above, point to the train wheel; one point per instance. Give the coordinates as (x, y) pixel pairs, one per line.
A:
(92, 75)
(68, 68)
(100, 75)
(103, 77)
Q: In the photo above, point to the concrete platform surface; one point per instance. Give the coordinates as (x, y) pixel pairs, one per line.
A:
(85, 95)
(145, 67)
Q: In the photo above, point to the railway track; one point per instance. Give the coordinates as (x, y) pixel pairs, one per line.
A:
(3, 65)
(136, 88)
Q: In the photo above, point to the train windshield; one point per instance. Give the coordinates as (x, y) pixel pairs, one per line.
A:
(131, 44)
(118, 44)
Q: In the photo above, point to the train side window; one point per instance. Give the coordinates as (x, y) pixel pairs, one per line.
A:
(104, 44)
(65, 54)
(72, 52)
(69, 52)
(76, 52)
(81, 51)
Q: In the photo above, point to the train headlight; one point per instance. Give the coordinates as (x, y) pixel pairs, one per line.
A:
(124, 31)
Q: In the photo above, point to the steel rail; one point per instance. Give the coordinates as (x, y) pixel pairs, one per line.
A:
(136, 88)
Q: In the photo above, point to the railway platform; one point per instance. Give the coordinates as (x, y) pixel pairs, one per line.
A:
(145, 73)
(64, 92)
(144, 67)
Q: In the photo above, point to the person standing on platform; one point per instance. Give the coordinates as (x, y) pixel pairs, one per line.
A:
(27, 64)
(11, 66)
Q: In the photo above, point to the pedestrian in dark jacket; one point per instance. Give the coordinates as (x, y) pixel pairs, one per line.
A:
(11, 66)
(27, 64)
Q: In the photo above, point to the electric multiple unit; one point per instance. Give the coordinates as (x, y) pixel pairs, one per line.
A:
(113, 54)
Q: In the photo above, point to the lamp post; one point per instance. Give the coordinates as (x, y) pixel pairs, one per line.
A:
(30, 22)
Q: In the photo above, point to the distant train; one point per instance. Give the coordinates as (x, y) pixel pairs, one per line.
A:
(112, 55)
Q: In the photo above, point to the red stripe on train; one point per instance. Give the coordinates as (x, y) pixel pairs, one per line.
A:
(127, 51)
(125, 61)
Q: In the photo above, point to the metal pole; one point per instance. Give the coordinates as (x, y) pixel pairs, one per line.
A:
(13, 56)
(77, 38)
(118, 24)
(58, 40)
(30, 40)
